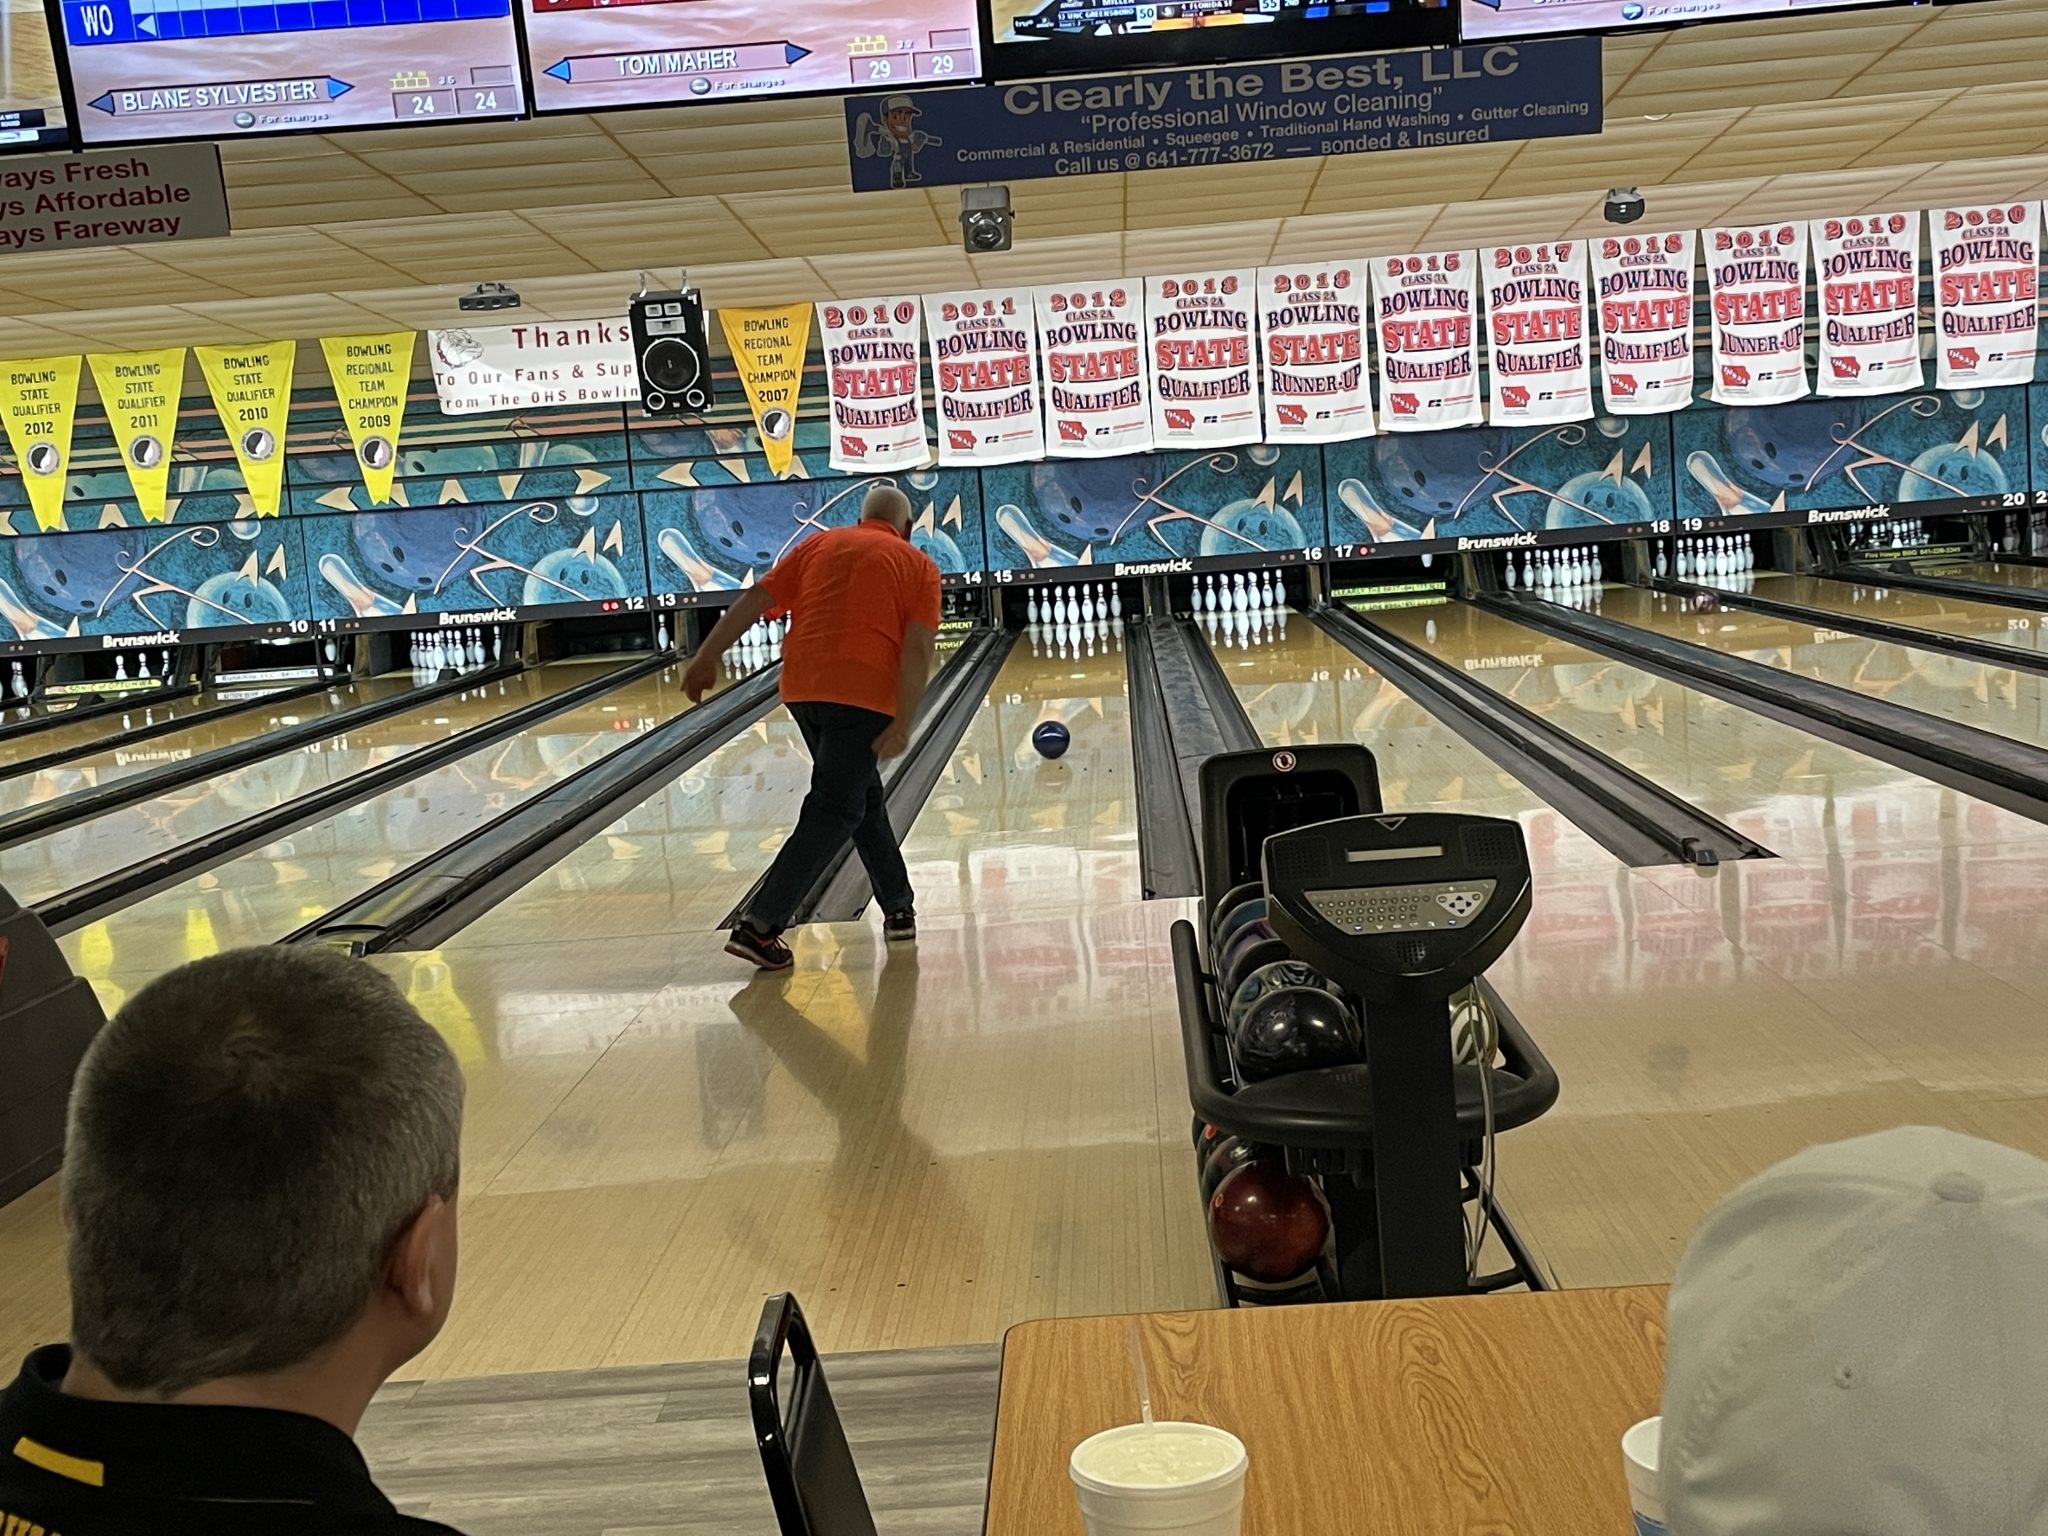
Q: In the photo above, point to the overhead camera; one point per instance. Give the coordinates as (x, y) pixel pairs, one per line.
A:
(987, 221)
(489, 296)
(1624, 205)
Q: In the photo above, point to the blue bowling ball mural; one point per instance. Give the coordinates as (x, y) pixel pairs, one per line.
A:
(1154, 506)
(1486, 482)
(459, 559)
(1810, 455)
(720, 538)
(132, 581)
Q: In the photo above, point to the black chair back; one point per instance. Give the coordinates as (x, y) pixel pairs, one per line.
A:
(811, 1475)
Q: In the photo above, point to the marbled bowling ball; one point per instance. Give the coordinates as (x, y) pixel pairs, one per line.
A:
(1596, 499)
(72, 573)
(1267, 1224)
(1949, 471)
(1430, 474)
(1784, 446)
(1078, 502)
(1248, 525)
(1268, 979)
(418, 549)
(1294, 1029)
(570, 576)
(232, 598)
(1230, 923)
(943, 548)
(743, 530)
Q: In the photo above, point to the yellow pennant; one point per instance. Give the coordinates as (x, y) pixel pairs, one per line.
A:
(768, 350)
(252, 390)
(140, 392)
(372, 375)
(39, 399)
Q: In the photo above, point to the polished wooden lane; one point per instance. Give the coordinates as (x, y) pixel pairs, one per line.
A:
(41, 868)
(1500, 1414)
(268, 892)
(2000, 573)
(1984, 621)
(2000, 700)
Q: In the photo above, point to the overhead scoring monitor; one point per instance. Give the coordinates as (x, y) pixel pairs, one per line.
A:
(1036, 37)
(31, 105)
(147, 70)
(1484, 20)
(588, 54)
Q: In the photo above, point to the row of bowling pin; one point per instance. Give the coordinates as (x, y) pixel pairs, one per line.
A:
(1239, 592)
(1551, 570)
(1065, 605)
(766, 633)
(1693, 559)
(1242, 631)
(1074, 642)
(18, 685)
(459, 649)
(1898, 533)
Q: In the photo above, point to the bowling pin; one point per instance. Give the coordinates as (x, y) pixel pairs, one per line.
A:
(1508, 576)
(660, 636)
(1544, 574)
(165, 671)
(1239, 598)
(497, 641)
(1031, 609)
(1116, 602)
(17, 684)
(1087, 605)
(1528, 571)
(476, 647)
(1198, 599)
(331, 651)
(120, 667)
(1657, 565)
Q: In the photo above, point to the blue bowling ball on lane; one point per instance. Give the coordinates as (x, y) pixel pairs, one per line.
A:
(1050, 739)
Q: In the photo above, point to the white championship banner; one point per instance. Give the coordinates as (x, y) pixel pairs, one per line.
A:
(1312, 338)
(1756, 284)
(1538, 367)
(1198, 348)
(1425, 317)
(519, 367)
(1643, 289)
(1986, 293)
(873, 374)
(985, 376)
(1867, 270)
(1092, 344)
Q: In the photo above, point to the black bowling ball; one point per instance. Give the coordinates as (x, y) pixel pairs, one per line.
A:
(1296, 1029)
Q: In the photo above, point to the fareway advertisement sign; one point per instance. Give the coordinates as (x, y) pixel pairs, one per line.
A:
(112, 197)
(1230, 114)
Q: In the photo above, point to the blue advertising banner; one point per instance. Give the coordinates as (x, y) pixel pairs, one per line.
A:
(1226, 114)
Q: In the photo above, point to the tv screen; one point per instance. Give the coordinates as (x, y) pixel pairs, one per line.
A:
(1486, 20)
(1038, 37)
(31, 104)
(154, 70)
(590, 54)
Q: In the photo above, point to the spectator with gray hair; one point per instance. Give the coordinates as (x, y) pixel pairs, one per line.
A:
(259, 1181)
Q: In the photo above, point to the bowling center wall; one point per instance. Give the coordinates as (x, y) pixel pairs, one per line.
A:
(563, 509)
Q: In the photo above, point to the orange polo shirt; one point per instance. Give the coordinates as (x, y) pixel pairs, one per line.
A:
(851, 593)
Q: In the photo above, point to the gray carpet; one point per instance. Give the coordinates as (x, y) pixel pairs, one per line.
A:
(669, 1450)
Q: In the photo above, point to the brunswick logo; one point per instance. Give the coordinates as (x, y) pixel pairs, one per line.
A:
(1073, 431)
(963, 442)
(1734, 375)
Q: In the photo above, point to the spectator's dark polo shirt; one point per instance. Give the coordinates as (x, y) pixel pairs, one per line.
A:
(72, 1467)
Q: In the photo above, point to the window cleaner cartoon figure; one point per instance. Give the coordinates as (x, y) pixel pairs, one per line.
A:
(898, 138)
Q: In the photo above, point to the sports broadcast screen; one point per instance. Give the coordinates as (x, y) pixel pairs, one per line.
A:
(31, 105)
(1485, 19)
(621, 53)
(1035, 37)
(220, 69)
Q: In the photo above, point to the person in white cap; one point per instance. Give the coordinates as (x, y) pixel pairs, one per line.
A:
(1859, 1347)
(898, 137)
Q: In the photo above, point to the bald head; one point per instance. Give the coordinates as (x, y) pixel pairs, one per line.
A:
(887, 504)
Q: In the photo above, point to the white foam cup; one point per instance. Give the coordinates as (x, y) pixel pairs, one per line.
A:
(1164, 1479)
(1639, 1461)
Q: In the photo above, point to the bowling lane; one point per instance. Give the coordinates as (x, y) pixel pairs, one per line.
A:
(104, 728)
(1004, 831)
(678, 860)
(1987, 622)
(1803, 797)
(269, 891)
(1302, 687)
(119, 762)
(1999, 573)
(36, 870)
(1974, 693)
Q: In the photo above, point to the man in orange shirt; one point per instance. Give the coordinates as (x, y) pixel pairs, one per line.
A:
(864, 614)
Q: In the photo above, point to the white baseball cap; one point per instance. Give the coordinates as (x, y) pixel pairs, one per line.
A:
(1859, 1347)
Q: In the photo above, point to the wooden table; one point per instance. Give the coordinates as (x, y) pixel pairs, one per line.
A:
(1499, 1415)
